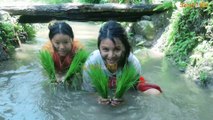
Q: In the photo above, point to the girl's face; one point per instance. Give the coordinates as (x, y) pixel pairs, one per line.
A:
(110, 52)
(62, 44)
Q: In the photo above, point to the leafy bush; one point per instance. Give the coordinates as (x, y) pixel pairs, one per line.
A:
(7, 34)
(30, 30)
(186, 33)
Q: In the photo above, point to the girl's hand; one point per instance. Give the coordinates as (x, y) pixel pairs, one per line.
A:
(103, 101)
(60, 78)
(116, 101)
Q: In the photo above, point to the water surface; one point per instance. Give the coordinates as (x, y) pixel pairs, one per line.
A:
(24, 94)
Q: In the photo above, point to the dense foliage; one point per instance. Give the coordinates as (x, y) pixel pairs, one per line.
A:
(188, 28)
(7, 34)
(30, 30)
(11, 34)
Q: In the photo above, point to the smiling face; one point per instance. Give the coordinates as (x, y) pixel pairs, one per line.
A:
(110, 52)
(62, 44)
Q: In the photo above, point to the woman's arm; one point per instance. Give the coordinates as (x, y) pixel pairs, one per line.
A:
(142, 85)
(148, 88)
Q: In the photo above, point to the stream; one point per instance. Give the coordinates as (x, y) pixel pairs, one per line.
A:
(25, 96)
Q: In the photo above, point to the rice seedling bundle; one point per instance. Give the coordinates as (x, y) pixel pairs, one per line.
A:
(77, 63)
(99, 80)
(126, 80)
(48, 64)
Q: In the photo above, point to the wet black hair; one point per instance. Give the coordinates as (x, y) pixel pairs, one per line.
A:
(113, 30)
(60, 27)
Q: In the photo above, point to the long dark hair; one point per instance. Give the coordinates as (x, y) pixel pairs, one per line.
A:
(113, 30)
(60, 27)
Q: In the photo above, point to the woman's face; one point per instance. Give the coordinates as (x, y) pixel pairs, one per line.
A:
(62, 44)
(110, 52)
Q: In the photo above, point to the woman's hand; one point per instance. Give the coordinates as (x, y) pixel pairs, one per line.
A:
(104, 101)
(116, 101)
(60, 78)
(113, 101)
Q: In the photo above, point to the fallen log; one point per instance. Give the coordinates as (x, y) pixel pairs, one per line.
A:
(80, 12)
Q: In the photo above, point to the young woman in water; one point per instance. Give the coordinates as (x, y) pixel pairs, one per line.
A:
(62, 47)
(114, 52)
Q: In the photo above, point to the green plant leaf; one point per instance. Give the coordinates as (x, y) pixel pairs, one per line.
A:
(164, 6)
(99, 80)
(48, 64)
(77, 63)
(126, 80)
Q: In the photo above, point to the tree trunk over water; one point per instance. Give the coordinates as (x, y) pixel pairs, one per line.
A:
(86, 12)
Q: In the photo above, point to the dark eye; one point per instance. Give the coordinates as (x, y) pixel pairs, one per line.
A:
(65, 42)
(105, 49)
(117, 49)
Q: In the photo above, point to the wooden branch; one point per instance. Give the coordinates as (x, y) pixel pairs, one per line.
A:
(85, 12)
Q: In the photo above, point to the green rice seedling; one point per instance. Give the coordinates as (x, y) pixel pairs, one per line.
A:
(48, 64)
(77, 63)
(99, 80)
(126, 80)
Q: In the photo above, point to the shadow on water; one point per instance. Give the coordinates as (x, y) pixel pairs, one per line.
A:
(24, 95)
